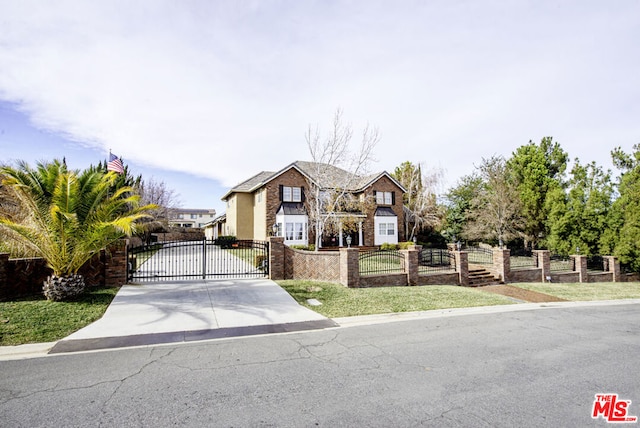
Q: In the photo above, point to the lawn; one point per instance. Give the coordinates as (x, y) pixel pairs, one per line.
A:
(339, 301)
(587, 291)
(34, 319)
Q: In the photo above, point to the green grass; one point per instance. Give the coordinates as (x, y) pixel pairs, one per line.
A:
(34, 319)
(339, 301)
(587, 291)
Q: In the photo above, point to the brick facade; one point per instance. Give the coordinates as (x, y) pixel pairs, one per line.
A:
(383, 184)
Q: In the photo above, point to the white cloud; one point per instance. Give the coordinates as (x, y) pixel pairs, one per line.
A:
(226, 89)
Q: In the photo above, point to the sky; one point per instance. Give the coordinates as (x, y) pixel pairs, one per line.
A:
(204, 94)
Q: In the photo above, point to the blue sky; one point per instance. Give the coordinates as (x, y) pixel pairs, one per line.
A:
(203, 94)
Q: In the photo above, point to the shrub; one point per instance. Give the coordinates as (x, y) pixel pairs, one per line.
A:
(260, 261)
(226, 241)
(309, 247)
(388, 246)
(405, 245)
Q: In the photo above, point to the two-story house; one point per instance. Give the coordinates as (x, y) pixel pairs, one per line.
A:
(190, 217)
(279, 203)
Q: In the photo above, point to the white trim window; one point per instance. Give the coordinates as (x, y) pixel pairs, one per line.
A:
(291, 194)
(386, 230)
(293, 228)
(384, 198)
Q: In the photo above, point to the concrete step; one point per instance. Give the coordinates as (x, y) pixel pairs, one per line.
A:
(481, 277)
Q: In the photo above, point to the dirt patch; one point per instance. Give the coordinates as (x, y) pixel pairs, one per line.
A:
(521, 294)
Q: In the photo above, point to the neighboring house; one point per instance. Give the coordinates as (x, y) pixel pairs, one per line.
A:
(278, 203)
(185, 217)
(215, 228)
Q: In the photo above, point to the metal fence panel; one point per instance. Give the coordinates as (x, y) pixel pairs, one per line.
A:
(184, 260)
(381, 261)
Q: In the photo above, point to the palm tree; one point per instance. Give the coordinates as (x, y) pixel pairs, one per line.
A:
(69, 216)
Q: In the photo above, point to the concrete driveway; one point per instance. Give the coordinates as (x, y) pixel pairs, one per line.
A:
(164, 312)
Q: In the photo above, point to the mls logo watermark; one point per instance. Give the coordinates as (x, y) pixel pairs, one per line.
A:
(612, 409)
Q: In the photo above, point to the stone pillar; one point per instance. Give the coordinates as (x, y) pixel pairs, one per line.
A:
(115, 264)
(412, 263)
(581, 267)
(502, 263)
(4, 261)
(462, 265)
(276, 257)
(544, 263)
(614, 267)
(349, 267)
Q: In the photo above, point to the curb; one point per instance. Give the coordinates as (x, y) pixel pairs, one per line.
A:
(36, 350)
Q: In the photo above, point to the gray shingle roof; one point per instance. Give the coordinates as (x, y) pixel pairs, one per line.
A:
(324, 175)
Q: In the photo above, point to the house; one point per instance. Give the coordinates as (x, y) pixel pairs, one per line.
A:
(185, 217)
(215, 228)
(279, 203)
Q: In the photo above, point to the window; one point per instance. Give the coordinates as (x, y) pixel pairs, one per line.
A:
(295, 232)
(289, 231)
(391, 229)
(194, 216)
(296, 194)
(386, 229)
(384, 198)
(180, 215)
(382, 229)
(291, 194)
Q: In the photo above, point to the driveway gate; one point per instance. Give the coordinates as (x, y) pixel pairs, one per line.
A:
(183, 260)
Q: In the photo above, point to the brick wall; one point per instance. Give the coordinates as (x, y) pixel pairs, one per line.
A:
(25, 277)
(307, 265)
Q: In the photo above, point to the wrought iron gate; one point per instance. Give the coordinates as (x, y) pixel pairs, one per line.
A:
(183, 260)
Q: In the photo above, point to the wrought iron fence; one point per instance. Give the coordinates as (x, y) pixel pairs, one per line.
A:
(523, 258)
(182, 260)
(381, 261)
(480, 256)
(562, 263)
(597, 263)
(436, 260)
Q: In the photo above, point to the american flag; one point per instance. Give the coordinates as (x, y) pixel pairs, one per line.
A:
(115, 164)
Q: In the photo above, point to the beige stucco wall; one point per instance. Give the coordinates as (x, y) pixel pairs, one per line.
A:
(260, 231)
(240, 215)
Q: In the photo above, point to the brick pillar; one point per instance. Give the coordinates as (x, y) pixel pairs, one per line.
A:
(502, 263)
(412, 263)
(276, 257)
(581, 267)
(614, 267)
(462, 265)
(544, 263)
(4, 261)
(115, 264)
(349, 267)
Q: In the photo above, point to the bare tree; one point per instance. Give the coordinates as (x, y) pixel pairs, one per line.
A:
(495, 211)
(166, 199)
(337, 171)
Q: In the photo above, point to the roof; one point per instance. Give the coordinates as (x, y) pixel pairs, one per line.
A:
(324, 175)
(385, 212)
(292, 208)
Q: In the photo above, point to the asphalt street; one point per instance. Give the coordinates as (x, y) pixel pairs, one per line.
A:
(532, 368)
